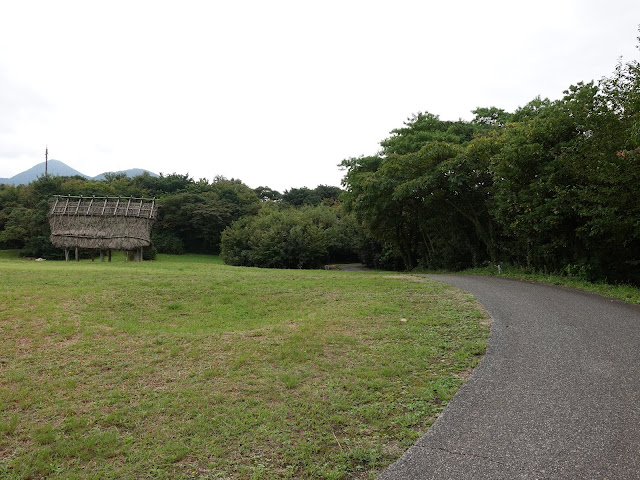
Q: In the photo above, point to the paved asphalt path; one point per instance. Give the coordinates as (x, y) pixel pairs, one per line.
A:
(557, 395)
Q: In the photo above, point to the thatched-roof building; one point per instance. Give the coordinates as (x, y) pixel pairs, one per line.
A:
(102, 223)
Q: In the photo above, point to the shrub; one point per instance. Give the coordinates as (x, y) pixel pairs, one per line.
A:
(285, 237)
(149, 253)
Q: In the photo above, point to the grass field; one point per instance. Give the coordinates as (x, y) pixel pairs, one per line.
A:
(627, 293)
(186, 368)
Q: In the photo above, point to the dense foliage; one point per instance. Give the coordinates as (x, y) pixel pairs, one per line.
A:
(302, 228)
(282, 236)
(551, 186)
(192, 216)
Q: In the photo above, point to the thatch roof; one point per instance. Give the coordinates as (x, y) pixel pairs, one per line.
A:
(102, 223)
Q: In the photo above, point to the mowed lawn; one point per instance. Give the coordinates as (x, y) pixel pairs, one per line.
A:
(186, 368)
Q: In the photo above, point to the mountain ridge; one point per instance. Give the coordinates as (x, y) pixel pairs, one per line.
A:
(61, 169)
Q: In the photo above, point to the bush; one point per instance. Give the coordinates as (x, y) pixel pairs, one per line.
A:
(150, 253)
(281, 237)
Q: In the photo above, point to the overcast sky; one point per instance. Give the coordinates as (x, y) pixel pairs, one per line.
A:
(277, 93)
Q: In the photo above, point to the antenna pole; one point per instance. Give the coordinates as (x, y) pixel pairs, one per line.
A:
(46, 161)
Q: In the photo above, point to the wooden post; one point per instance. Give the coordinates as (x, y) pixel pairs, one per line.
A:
(93, 253)
(53, 210)
(102, 255)
(66, 254)
(141, 254)
(109, 254)
(77, 255)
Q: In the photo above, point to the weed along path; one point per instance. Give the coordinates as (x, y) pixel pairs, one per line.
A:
(557, 395)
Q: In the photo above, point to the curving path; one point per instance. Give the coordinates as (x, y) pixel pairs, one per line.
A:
(557, 395)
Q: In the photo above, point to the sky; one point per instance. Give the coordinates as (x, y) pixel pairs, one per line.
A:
(277, 93)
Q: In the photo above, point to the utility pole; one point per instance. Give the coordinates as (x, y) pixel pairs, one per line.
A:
(46, 161)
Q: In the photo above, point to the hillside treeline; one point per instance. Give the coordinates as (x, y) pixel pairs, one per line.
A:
(192, 217)
(553, 186)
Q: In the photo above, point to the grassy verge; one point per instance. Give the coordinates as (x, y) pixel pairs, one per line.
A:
(186, 368)
(628, 293)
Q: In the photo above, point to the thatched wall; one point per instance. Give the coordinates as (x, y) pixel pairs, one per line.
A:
(101, 223)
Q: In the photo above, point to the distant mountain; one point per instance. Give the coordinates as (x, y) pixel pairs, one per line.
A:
(60, 169)
(132, 172)
(55, 168)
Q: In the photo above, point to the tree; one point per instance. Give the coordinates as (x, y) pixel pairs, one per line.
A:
(422, 128)
(195, 221)
(491, 117)
(266, 194)
(425, 196)
(300, 196)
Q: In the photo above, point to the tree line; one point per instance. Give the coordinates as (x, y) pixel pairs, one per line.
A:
(192, 217)
(552, 186)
